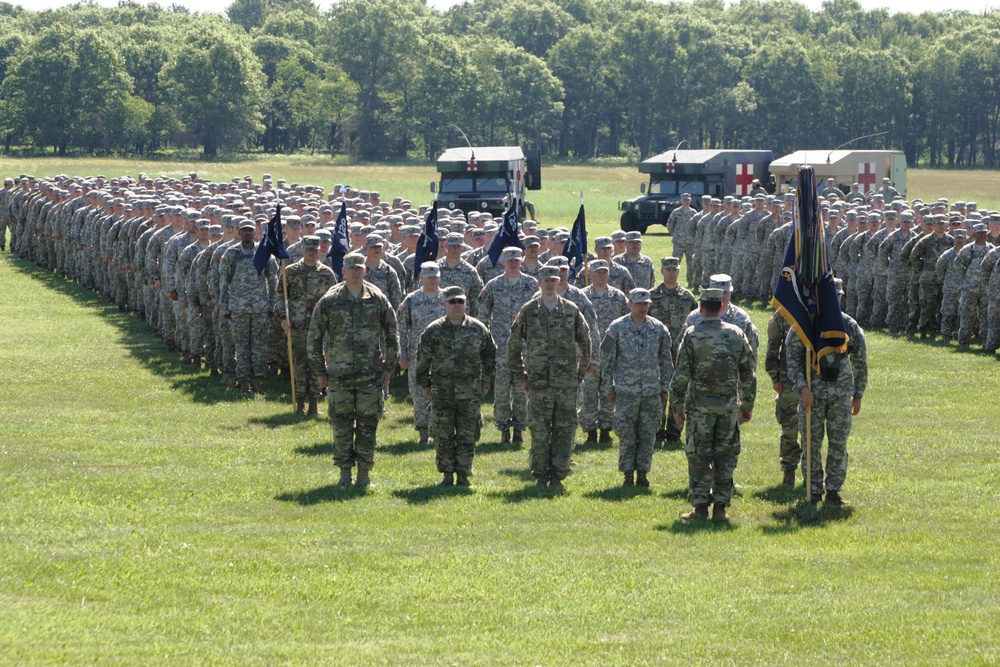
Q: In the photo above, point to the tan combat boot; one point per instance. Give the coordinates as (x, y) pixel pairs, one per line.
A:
(700, 513)
(300, 407)
(789, 479)
(719, 513)
(363, 480)
(345, 477)
(641, 479)
(313, 409)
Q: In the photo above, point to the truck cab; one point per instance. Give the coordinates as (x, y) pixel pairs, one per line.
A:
(487, 179)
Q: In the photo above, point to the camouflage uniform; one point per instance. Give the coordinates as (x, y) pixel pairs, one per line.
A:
(640, 268)
(923, 260)
(972, 306)
(463, 275)
(594, 411)
(499, 304)
(682, 234)
(417, 311)
(306, 286)
(751, 242)
(671, 305)
(786, 403)
(636, 366)
(991, 280)
(774, 255)
(456, 363)
(247, 300)
(951, 289)
(737, 317)
(364, 344)
(384, 277)
(831, 409)
(714, 380)
(879, 272)
(866, 276)
(549, 351)
(897, 278)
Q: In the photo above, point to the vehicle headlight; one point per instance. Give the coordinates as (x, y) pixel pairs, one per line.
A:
(485, 204)
(635, 206)
(663, 207)
(451, 204)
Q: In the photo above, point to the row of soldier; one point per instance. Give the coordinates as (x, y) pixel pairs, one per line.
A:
(907, 266)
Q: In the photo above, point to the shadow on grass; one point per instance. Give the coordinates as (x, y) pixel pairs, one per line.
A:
(676, 494)
(405, 447)
(425, 494)
(782, 494)
(331, 493)
(319, 449)
(681, 527)
(670, 446)
(593, 446)
(497, 448)
(805, 515)
(530, 492)
(518, 473)
(617, 494)
(282, 419)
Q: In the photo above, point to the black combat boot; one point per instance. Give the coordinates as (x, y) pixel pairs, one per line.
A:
(448, 479)
(833, 498)
(424, 438)
(363, 481)
(518, 436)
(505, 436)
(592, 437)
(313, 408)
(462, 478)
(300, 407)
(629, 479)
(605, 436)
(345, 477)
(641, 479)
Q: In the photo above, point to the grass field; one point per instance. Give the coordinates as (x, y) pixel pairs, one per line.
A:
(149, 516)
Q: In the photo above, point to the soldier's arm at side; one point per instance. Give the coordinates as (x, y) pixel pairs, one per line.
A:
(515, 346)
(666, 364)
(314, 344)
(487, 360)
(772, 356)
(391, 335)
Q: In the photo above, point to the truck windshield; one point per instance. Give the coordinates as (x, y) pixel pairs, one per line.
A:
(676, 188)
(478, 183)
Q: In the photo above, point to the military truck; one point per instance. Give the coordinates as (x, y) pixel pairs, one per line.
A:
(487, 178)
(845, 167)
(698, 172)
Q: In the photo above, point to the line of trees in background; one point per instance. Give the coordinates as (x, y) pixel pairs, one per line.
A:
(388, 79)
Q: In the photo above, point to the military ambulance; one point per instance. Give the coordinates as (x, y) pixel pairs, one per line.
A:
(697, 172)
(487, 178)
(866, 168)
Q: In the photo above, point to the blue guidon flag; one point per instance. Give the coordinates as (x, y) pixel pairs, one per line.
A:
(341, 244)
(507, 236)
(270, 244)
(427, 244)
(805, 294)
(575, 249)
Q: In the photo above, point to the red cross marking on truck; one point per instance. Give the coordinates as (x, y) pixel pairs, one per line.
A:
(744, 178)
(866, 176)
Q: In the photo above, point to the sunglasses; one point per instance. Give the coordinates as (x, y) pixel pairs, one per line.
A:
(454, 301)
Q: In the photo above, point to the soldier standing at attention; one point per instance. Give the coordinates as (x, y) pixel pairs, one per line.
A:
(677, 223)
(636, 366)
(786, 401)
(419, 308)
(638, 265)
(246, 302)
(364, 349)
(834, 398)
(455, 363)
(671, 304)
(308, 280)
(714, 383)
(549, 352)
(499, 303)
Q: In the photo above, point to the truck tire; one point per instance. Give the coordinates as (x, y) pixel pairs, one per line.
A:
(628, 222)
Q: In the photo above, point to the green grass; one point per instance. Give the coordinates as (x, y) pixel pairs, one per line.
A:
(149, 516)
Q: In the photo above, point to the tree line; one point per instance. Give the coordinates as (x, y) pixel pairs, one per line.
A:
(390, 79)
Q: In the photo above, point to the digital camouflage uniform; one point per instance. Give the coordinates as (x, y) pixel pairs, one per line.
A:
(640, 268)
(594, 411)
(681, 233)
(786, 403)
(417, 311)
(847, 377)
(463, 275)
(991, 280)
(972, 305)
(714, 380)
(672, 305)
(364, 344)
(636, 366)
(500, 301)
(879, 272)
(897, 278)
(247, 299)
(456, 362)
(306, 286)
(549, 351)
(923, 261)
(951, 289)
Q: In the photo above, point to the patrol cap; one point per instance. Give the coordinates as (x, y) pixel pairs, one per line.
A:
(202, 223)
(215, 230)
(686, 195)
(548, 271)
(293, 221)
(707, 198)
(511, 253)
(430, 270)
(721, 281)
(558, 262)
(562, 237)
(452, 293)
(979, 227)
(618, 235)
(323, 235)
(839, 285)
(603, 242)
(456, 239)
(310, 242)
(639, 295)
(247, 223)
(531, 239)
(373, 240)
(633, 236)
(542, 233)
(670, 263)
(710, 295)
(598, 265)
(354, 259)
(960, 233)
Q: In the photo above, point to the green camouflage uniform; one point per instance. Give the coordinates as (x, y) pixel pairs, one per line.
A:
(364, 344)
(972, 305)
(417, 311)
(594, 410)
(831, 411)
(897, 278)
(672, 306)
(247, 299)
(714, 380)
(456, 363)
(923, 260)
(991, 280)
(636, 366)
(951, 289)
(306, 286)
(786, 404)
(549, 351)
